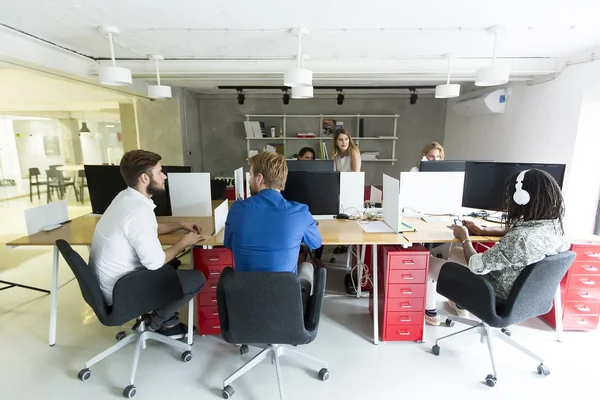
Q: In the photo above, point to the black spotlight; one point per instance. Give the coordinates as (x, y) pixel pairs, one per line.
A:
(286, 97)
(241, 96)
(340, 96)
(414, 96)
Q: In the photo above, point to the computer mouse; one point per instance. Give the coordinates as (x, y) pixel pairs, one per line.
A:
(342, 216)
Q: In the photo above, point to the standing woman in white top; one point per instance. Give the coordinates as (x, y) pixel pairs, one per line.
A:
(432, 151)
(346, 155)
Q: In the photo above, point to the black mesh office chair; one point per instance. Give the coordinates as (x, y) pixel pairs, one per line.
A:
(266, 307)
(531, 296)
(134, 294)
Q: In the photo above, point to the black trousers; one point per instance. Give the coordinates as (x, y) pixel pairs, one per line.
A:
(192, 282)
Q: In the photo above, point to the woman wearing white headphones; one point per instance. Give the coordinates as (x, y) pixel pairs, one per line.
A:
(532, 231)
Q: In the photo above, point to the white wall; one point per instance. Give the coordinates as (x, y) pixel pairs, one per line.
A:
(541, 124)
(9, 159)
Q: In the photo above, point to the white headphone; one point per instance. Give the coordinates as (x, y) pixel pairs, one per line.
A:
(521, 197)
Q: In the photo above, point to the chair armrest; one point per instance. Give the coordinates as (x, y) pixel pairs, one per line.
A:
(471, 291)
(144, 290)
(315, 302)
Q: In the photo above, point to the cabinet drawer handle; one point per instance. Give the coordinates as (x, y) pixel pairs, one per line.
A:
(581, 321)
(216, 327)
(582, 308)
(585, 295)
(586, 281)
(213, 301)
(215, 313)
(213, 258)
(405, 305)
(407, 291)
(592, 254)
(408, 262)
(590, 268)
(407, 277)
(403, 333)
(406, 319)
(214, 273)
(213, 286)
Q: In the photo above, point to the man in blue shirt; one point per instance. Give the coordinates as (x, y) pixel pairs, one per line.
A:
(265, 231)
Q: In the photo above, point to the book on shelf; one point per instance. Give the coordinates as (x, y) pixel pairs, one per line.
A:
(369, 155)
(324, 152)
(305, 135)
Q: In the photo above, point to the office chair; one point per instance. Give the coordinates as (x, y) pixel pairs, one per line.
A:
(35, 173)
(531, 296)
(134, 294)
(266, 307)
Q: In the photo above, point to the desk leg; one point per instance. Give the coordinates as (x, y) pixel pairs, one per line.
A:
(190, 338)
(360, 271)
(558, 314)
(53, 299)
(375, 298)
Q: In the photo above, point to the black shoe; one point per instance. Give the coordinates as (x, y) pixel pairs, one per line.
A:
(176, 332)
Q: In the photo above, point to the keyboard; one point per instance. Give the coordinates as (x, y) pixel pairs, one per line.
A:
(322, 217)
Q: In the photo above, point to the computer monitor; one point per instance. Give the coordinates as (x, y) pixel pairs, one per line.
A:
(442, 166)
(105, 182)
(320, 191)
(310, 165)
(485, 182)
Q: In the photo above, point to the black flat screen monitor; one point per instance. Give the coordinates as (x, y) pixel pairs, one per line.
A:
(485, 182)
(105, 182)
(320, 191)
(442, 166)
(310, 165)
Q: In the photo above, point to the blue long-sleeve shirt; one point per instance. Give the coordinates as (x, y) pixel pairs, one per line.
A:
(265, 232)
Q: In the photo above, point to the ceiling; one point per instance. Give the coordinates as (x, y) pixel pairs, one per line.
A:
(26, 90)
(216, 42)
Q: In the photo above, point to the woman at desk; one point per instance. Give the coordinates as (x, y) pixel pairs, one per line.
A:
(346, 156)
(432, 151)
(532, 231)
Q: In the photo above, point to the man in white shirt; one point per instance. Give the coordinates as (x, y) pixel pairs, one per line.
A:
(126, 239)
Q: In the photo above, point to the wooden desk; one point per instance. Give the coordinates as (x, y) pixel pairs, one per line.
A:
(428, 232)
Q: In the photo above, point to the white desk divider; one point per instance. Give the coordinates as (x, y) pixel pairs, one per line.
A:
(238, 175)
(190, 194)
(432, 192)
(375, 195)
(248, 194)
(352, 192)
(391, 206)
(220, 216)
(46, 217)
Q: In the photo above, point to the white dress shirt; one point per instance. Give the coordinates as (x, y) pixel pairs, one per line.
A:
(125, 239)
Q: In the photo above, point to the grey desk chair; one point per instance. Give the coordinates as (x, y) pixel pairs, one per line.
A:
(266, 307)
(134, 294)
(531, 296)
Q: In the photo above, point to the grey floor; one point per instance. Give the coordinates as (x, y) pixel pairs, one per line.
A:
(30, 369)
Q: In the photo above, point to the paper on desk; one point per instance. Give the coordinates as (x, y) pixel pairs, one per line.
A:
(375, 227)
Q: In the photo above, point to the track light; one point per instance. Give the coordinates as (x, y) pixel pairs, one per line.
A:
(241, 96)
(84, 128)
(340, 96)
(286, 97)
(414, 96)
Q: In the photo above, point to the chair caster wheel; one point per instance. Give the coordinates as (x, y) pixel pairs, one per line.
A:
(324, 374)
(120, 336)
(507, 332)
(244, 349)
(186, 356)
(129, 392)
(435, 350)
(491, 380)
(86, 374)
(227, 392)
(450, 323)
(543, 370)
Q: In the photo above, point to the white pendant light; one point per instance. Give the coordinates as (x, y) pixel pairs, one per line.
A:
(158, 91)
(112, 75)
(494, 75)
(448, 90)
(298, 76)
(303, 92)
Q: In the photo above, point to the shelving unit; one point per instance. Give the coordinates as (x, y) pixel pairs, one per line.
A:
(319, 138)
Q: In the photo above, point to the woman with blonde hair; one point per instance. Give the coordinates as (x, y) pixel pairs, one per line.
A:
(345, 154)
(432, 151)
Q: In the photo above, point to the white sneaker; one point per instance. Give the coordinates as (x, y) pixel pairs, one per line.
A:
(459, 311)
(433, 321)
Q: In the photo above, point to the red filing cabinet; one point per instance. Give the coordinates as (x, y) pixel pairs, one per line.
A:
(211, 262)
(402, 285)
(580, 290)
